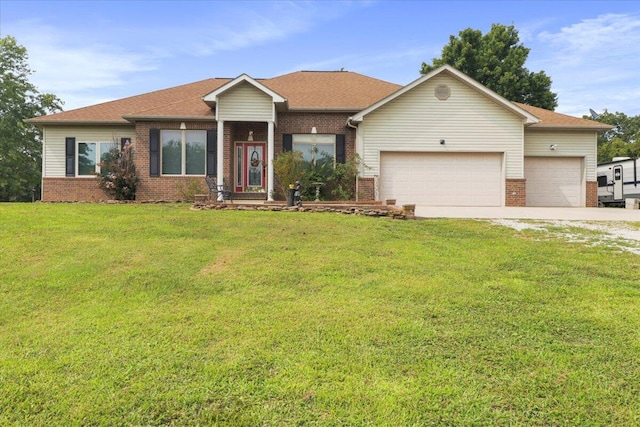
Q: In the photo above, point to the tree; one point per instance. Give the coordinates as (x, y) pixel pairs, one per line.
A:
(118, 177)
(20, 142)
(621, 141)
(496, 60)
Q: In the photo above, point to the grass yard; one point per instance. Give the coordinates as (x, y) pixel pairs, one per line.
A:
(158, 315)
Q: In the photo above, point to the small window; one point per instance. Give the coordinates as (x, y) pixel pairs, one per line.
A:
(184, 152)
(602, 181)
(90, 154)
(316, 149)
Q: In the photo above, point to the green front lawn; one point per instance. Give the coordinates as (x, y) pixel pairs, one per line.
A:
(155, 314)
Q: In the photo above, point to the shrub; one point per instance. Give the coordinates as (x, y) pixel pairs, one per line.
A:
(338, 180)
(288, 167)
(189, 188)
(118, 177)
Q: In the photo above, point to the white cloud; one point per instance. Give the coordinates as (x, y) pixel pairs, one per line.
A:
(594, 64)
(264, 22)
(71, 67)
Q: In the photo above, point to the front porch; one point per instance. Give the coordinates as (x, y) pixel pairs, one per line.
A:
(244, 159)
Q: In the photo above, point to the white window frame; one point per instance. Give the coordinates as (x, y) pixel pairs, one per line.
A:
(97, 160)
(317, 140)
(183, 152)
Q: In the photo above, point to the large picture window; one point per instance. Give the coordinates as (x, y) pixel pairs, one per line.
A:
(90, 154)
(316, 148)
(184, 152)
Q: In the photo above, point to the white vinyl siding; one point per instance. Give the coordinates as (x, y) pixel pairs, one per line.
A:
(568, 144)
(554, 181)
(54, 147)
(245, 103)
(442, 179)
(467, 121)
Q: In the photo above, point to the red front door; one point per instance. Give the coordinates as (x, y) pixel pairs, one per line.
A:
(250, 170)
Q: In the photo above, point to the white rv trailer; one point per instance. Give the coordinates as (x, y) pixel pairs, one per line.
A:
(618, 180)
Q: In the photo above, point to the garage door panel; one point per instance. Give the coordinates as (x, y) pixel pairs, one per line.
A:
(554, 181)
(442, 179)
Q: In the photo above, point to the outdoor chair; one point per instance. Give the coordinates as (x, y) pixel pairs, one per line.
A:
(221, 193)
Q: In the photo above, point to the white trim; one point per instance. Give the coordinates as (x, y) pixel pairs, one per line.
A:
(220, 153)
(528, 117)
(270, 150)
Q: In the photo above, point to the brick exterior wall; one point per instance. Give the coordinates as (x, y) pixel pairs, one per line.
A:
(516, 192)
(72, 190)
(168, 187)
(328, 123)
(592, 194)
(366, 189)
(333, 123)
(161, 187)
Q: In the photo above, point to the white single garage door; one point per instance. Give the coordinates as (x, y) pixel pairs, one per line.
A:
(442, 179)
(554, 181)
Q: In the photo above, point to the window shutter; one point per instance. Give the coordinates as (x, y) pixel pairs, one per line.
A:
(341, 152)
(287, 142)
(70, 156)
(212, 152)
(123, 142)
(154, 152)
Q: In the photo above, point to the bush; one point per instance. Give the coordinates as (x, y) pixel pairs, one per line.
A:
(189, 188)
(338, 181)
(288, 167)
(118, 177)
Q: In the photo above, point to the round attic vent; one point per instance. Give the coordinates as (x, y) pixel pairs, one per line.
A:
(442, 92)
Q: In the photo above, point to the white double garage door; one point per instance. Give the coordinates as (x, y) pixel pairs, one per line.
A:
(476, 179)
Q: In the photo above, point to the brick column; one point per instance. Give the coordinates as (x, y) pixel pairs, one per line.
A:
(592, 194)
(516, 192)
(366, 190)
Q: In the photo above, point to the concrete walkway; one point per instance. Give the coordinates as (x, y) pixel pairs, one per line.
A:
(582, 214)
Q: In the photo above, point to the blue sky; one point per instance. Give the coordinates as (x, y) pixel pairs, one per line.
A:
(93, 51)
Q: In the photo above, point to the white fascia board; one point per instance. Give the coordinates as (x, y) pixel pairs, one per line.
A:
(528, 117)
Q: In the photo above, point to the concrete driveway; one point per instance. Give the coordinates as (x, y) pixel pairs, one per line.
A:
(581, 214)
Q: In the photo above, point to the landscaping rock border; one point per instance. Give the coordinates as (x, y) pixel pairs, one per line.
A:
(377, 211)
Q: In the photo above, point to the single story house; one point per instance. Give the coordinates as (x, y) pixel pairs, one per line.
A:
(442, 140)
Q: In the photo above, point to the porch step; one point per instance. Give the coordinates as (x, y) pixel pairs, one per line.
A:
(249, 196)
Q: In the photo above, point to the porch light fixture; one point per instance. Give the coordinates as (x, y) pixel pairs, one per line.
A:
(553, 147)
(250, 137)
(183, 126)
(314, 130)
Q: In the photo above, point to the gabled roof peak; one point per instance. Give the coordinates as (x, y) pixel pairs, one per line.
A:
(528, 117)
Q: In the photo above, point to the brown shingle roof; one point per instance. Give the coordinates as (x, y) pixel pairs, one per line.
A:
(330, 90)
(553, 120)
(304, 90)
(182, 101)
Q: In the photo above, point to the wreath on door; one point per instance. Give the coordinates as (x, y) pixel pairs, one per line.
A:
(255, 158)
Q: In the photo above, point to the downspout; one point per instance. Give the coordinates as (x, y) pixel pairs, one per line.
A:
(357, 180)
